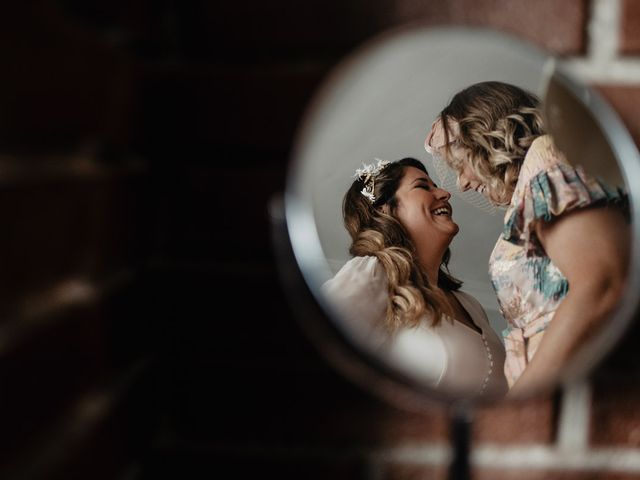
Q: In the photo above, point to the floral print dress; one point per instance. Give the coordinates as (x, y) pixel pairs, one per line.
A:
(528, 285)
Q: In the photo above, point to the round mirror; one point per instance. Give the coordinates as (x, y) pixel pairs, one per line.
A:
(455, 329)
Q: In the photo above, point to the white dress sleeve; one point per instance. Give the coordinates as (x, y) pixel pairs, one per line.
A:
(358, 295)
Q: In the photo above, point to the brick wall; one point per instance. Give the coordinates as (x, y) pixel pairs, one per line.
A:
(148, 333)
(278, 409)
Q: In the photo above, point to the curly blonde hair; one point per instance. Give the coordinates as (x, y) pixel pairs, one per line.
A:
(376, 233)
(498, 122)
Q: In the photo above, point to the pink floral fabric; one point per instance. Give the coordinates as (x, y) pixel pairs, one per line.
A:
(528, 285)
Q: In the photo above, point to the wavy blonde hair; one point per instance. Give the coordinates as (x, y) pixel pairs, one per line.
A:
(376, 233)
(498, 122)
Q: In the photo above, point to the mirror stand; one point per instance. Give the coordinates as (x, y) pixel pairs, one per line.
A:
(460, 423)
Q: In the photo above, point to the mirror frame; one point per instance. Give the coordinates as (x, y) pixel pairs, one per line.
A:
(298, 247)
(627, 156)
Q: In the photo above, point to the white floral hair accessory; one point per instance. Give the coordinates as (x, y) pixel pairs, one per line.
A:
(367, 175)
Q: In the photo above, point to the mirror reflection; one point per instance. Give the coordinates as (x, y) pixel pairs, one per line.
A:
(465, 237)
(401, 226)
(559, 266)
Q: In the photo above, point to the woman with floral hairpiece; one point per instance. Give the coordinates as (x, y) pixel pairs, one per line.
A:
(398, 289)
(560, 265)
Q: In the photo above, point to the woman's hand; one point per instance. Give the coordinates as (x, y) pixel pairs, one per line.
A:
(591, 248)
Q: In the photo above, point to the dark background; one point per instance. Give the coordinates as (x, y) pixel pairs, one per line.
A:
(145, 331)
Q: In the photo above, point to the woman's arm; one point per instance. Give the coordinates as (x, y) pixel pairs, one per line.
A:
(591, 248)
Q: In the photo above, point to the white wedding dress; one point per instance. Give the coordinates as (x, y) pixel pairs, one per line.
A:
(452, 357)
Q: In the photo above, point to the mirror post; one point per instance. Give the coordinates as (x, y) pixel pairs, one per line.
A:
(460, 438)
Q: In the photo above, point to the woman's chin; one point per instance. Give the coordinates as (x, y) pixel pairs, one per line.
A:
(454, 229)
(446, 225)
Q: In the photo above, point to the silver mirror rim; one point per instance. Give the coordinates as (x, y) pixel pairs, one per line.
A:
(628, 158)
(307, 250)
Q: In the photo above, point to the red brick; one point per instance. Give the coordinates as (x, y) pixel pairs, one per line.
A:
(399, 471)
(88, 442)
(529, 421)
(556, 26)
(419, 472)
(616, 476)
(64, 227)
(615, 419)
(182, 462)
(550, 474)
(630, 27)
(261, 103)
(302, 408)
(626, 101)
(621, 365)
(256, 107)
(48, 370)
(326, 29)
(62, 83)
(388, 426)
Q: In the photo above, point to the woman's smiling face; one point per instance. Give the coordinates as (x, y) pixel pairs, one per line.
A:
(423, 208)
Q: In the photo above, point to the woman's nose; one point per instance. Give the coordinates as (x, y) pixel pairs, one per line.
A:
(442, 194)
(463, 183)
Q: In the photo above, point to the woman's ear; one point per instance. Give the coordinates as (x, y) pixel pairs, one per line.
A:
(436, 139)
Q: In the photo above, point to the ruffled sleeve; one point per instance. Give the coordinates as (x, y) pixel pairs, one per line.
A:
(547, 188)
(358, 293)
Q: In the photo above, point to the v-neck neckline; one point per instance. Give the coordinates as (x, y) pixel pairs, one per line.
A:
(464, 306)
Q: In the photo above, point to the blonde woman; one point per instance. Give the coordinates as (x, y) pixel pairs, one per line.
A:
(560, 265)
(397, 286)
